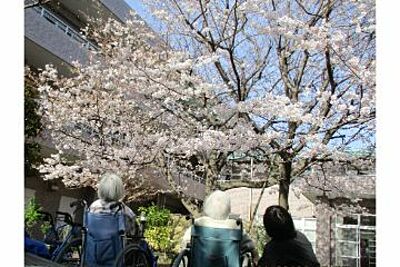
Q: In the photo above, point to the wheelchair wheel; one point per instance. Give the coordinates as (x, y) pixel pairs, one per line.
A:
(246, 260)
(132, 256)
(182, 259)
(71, 254)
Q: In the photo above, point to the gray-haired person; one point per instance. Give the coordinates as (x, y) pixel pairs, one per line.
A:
(216, 210)
(110, 191)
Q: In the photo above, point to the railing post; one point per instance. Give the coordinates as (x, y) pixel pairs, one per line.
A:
(67, 30)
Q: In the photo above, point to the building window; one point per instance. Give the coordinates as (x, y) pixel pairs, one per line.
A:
(307, 226)
(355, 241)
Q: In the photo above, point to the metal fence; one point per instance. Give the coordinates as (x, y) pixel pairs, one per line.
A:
(64, 27)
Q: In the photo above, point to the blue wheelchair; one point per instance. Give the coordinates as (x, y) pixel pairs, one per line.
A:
(214, 247)
(106, 245)
(63, 250)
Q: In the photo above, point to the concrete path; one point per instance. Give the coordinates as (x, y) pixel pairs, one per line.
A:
(34, 260)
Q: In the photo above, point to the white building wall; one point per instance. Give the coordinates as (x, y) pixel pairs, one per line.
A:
(244, 200)
(29, 193)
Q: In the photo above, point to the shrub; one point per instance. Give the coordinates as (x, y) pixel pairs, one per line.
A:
(258, 235)
(261, 237)
(179, 225)
(158, 227)
(33, 217)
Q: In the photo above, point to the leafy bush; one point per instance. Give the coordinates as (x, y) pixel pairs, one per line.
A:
(261, 237)
(33, 217)
(156, 216)
(164, 231)
(179, 226)
(258, 235)
(158, 227)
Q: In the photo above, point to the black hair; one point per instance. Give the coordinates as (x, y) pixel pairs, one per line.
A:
(278, 223)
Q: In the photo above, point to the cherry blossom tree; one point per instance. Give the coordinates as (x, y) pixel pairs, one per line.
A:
(288, 84)
(32, 127)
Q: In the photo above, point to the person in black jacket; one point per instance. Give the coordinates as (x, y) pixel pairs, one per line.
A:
(287, 247)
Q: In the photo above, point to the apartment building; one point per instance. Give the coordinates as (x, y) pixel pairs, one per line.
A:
(53, 36)
(52, 30)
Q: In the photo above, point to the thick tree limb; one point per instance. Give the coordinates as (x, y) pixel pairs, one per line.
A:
(225, 185)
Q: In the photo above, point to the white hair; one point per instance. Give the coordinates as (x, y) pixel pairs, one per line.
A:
(217, 205)
(110, 187)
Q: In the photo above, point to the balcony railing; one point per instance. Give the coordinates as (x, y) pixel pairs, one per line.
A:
(73, 34)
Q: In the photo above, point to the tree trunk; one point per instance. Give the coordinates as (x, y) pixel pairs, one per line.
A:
(192, 208)
(257, 205)
(186, 201)
(226, 185)
(284, 184)
(210, 176)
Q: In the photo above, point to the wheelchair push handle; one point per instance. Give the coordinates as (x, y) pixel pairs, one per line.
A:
(80, 203)
(143, 218)
(190, 217)
(116, 204)
(239, 221)
(67, 217)
(46, 216)
(142, 224)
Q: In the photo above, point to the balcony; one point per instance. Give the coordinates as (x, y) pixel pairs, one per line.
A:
(58, 23)
(48, 39)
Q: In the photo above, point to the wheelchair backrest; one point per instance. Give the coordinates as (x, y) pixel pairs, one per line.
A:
(216, 247)
(103, 238)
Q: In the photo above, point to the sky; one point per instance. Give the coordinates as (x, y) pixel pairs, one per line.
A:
(155, 25)
(143, 13)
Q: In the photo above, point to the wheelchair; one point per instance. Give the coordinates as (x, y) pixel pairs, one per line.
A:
(64, 250)
(106, 245)
(214, 247)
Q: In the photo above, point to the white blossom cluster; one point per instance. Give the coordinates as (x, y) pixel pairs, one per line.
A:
(294, 81)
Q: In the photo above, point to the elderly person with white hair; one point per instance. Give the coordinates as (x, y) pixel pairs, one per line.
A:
(110, 191)
(216, 210)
